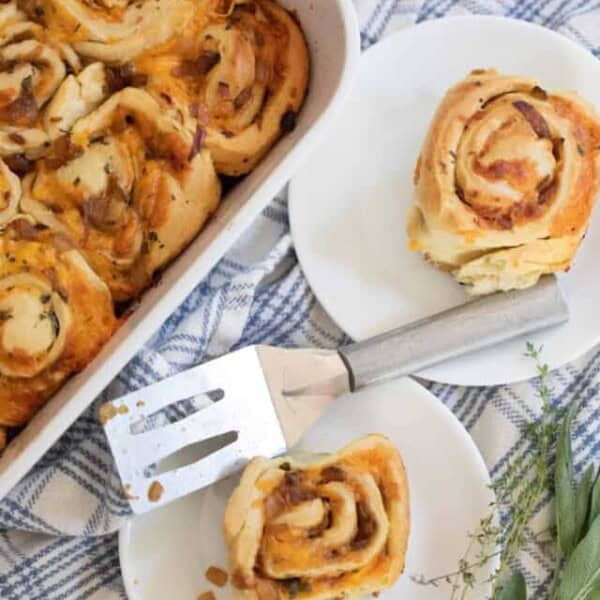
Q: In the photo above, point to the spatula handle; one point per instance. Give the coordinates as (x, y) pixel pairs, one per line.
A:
(472, 326)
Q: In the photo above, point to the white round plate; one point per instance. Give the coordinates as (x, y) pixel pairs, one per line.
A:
(348, 202)
(165, 553)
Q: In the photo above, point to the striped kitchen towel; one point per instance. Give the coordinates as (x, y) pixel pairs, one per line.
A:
(57, 527)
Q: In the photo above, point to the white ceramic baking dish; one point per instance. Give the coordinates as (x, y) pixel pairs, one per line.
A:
(332, 32)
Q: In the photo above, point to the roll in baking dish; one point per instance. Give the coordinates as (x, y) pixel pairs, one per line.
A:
(55, 315)
(128, 185)
(505, 182)
(114, 31)
(241, 70)
(335, 527)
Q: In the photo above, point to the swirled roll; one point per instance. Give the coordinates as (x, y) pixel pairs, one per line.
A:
(129, 186)
(506, 182)
(111, 30)
(242, 73)
(31, 69)
(55, 315)
(337, 527)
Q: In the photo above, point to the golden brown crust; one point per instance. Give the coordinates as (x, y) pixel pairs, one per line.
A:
(334, 527)
(127, 188)
(506, 181)
(33, 66)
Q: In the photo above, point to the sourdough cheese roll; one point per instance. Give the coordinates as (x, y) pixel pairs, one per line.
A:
(337, 527)
(111, 30)
(241, 70)
(129, 186)
(506, 182)
(32, 66)
(55, 315)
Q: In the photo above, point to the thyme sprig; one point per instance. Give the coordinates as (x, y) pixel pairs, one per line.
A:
(529, 477)
(519, 492)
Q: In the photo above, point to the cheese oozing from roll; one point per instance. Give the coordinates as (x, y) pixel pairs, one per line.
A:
(505, 182)
(336, 527)
(55, 315)
(129, 186)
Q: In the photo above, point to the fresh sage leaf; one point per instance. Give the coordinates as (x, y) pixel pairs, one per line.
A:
(582, 502)
(595, 502)
(514, 588)
(581, 575)
(566, 504)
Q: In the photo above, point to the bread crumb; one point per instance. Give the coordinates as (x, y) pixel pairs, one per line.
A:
(109, 410)
(207, 596)
(106, 413)
(155, 491)
(216, 576)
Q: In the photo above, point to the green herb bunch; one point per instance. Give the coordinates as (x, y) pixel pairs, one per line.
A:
(577, 543)
(577, 513)
(574, 541)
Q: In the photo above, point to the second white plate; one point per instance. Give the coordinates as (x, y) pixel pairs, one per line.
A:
(165, 554)
(348, 203)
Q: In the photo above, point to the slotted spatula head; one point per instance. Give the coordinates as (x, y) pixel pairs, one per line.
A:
(243, 394)
(260, 400)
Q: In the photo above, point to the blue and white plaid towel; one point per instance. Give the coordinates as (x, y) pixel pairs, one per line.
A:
(57, 528)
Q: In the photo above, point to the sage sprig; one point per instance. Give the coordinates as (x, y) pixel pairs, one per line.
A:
(584, 501)
(581, 575)
(595, 503)
(571, 505)
(576, 536)
(577, 509)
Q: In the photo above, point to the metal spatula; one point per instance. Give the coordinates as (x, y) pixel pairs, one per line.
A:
(266, 397)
